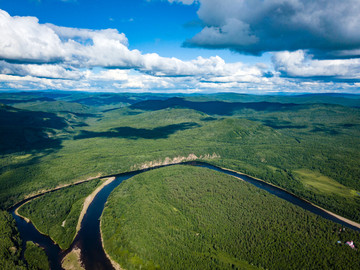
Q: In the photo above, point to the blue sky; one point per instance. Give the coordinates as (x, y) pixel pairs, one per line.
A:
(151, 26)
(252, 46)
(143, 22)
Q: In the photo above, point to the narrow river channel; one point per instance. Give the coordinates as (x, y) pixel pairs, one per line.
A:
(89, 240)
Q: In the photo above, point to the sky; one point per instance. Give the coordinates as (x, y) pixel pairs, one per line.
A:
(187, 46)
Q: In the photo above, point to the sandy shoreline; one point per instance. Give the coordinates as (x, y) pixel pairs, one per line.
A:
(72, 260)
(61, 186)
(353, 223)
(89, 200)
(44, 191)
(114, 264)
(29, 221)
(17, 213)
(86, 204)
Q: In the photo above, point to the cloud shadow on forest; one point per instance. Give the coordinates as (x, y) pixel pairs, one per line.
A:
(276, 124)
(28, 130)
(138, 133)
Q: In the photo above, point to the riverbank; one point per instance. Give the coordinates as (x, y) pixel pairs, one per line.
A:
(89, 200)
(114, 264)
(351, 222)
(39, 193)
(72, 260)
(29, 221)
(19, 215)
(69, 235)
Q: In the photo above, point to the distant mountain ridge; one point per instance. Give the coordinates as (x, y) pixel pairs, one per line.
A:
(213, 107)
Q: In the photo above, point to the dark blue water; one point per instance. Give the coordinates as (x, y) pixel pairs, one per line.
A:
(29, 233)
(89, 240)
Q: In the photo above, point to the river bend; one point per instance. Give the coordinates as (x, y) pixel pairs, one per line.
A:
(88, 238)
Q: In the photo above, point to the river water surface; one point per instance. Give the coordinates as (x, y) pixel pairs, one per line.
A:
(88, 238)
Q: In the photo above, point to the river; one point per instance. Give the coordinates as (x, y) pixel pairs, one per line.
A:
(88, 238)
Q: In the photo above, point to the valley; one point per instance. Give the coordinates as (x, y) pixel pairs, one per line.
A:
(307, 145)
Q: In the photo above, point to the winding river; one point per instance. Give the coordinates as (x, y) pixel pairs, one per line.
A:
(88, 238)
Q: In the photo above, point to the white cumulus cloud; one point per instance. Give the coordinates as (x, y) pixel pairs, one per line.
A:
(24, 40)
(300, 64)
(46, 56)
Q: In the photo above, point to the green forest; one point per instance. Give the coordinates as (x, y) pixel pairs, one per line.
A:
(183, 217)
(10, 244)
(306, 144)
(56, 214)
(11, 248)
(35, 257)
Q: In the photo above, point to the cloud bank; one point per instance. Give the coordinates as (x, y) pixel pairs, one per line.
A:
(46, 56)
(28, 48)
(327, 28)
(25, 41)
(299, 64)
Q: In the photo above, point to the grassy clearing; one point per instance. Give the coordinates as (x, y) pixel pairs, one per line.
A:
(323, 184)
